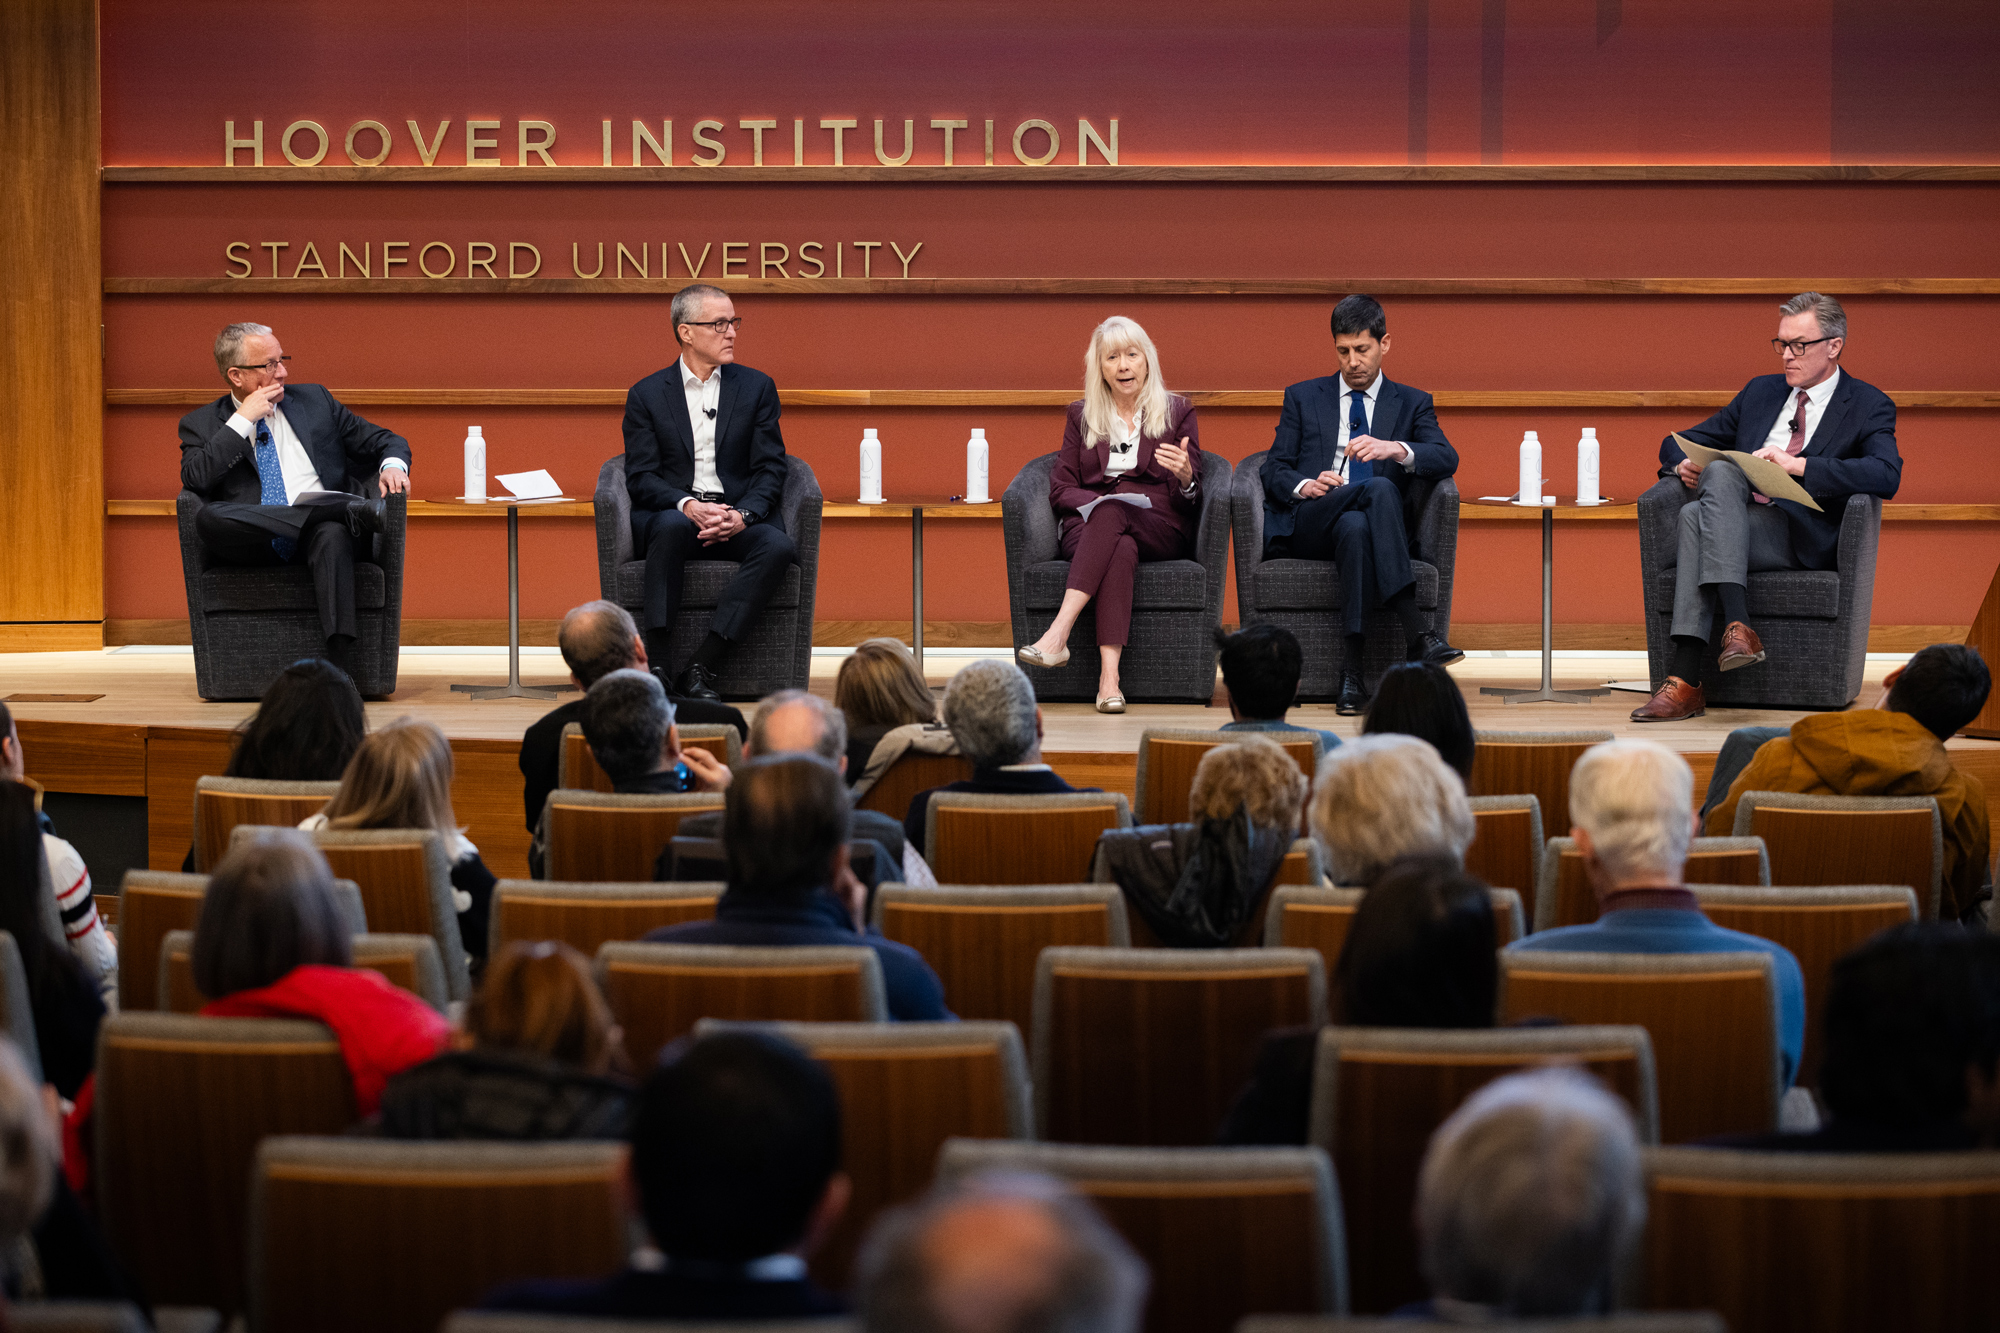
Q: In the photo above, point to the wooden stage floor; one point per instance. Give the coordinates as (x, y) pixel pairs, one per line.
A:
(150, 735)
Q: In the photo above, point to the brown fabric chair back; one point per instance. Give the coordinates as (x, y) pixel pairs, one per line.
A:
(658, 992)
(578, 769)
(1319, 919)
(974, 838)
(1566, 898)
(220, 804)
(588, 916)
(407, 962)
(1169, 756)
(607, 838)
(1533, 763)
(1506, 848)
(151, 905)
(1879, 840)
(901, 781)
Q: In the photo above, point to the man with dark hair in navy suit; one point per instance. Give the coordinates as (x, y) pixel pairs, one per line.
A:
(705, 466)
(1836, 435)
(1338, 485)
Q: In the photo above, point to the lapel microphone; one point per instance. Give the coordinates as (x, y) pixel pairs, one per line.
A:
(708, 412)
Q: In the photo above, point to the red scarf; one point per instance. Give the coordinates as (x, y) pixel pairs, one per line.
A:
(382, 1030)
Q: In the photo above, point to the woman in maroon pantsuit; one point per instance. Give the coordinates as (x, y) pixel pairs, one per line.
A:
(1128, 436)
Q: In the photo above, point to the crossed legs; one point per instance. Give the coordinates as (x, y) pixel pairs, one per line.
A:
(1104, 552)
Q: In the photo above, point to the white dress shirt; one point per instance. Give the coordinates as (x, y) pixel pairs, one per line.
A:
(1368, 397)
(1817, 398)
(1124, 453)
(704, 399)
(293, 460)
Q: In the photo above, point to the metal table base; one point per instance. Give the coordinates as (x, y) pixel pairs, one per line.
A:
(1547, 694)
(513, 689)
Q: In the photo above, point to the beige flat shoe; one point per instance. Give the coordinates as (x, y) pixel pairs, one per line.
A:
(1111, 703)
(1035, 657)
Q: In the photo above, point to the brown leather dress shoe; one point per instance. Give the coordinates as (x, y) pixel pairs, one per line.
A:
(1740, 647)
(1674, 701)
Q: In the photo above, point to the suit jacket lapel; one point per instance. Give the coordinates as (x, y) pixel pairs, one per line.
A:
(1763, 420)
(1329, 425)
(1829, 421)
(316, 436)
(677, 412)
(1388, 416)
(724, 406)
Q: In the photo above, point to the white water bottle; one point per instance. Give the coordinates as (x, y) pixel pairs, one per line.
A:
(975, 468)
(1530, 492)
(1586, 467)
(871, 468)
(475, 464)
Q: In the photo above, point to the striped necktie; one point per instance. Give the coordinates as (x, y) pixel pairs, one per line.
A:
(271, 474)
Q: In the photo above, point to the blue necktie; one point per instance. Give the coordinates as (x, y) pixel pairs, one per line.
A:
(272, 475)
(1358, 469)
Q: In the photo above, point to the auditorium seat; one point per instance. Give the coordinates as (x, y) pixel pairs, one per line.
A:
(1168, 757)
(1150, 1046)
(1304, 596)
(983, 941)
(408, 962)
(658, 992)
(405, 880)
(604, 837)
(777, 653)
(1380, 1093)
(1225, 1231)
(1534, 763)
(92, 1316)
(151, 903)
(1506, 845)
(1813, 623)
(1850, 840)
(1319, 919)
(220, 804)
(1300, 867)
(909, 774)
(905, 1088)
(479, 1321)
(1632, 1321)
(979, 838)
(578, 768)
(1563, 896)
(1176, 604)
(181, 1103)
(586, 916)
(1795, 1242)
(18, 1020)
(354, 1233)
(1713, 1019)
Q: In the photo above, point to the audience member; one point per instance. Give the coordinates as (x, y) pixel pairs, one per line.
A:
(879, 689)
(1530, 1199)
(1632, 805)
(1895, 750)
(1202, 884)
(1260, 672)
(990, 707)
(88, 940)
(401, 778)
(271, 943)
(628, 722)
(541, 1058)
(596, 639)
(784, 835)
(1421, 699)
(63, 998)
(30, 1151)
(999, 1252)
(736, 1168)
(306, 727)
(1381, 798)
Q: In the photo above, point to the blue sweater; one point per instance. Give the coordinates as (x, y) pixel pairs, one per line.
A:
(1675, 930)
(1330, 741)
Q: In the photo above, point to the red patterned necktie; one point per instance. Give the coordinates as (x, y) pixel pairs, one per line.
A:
(1798, 442)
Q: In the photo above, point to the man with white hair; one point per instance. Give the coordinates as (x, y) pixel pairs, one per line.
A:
(1383, 797)
(1632, 807)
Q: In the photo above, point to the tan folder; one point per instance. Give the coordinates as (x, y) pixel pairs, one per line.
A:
(1765, 476)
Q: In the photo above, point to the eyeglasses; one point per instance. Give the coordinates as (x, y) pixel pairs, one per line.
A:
(719, 325)
(269, 367)
(1797, 347)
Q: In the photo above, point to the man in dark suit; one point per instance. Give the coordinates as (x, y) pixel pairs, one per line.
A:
(1339, 486)
(282, 468)
(1826, 428)
(705, 466)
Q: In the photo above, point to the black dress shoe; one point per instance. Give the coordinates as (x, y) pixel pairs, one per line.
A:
(697, 682)
(1432, 650)
(366, 516)
(1350, 698)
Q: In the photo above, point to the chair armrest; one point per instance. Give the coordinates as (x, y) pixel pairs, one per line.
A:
(614, 525)
(1211, 540)
(1246, 521)
(1659, 529)
(1437, 542)
(1860, 537)
(800, 506)
(1028, 527)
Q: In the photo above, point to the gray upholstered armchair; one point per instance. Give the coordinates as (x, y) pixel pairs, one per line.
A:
(778, 653)
(1176, 604)
(249, 622)
(1304, 595)
(1813, 622)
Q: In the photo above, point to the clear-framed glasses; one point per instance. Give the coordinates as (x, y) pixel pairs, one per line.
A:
(1797, 346)
(719, 325)
(269, 367)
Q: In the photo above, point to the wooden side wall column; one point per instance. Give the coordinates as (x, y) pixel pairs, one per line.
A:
(51, 372)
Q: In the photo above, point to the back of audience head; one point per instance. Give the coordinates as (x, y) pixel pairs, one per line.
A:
(1944, 686)
(1913, 1032)
(798, 722)
(1253, 777)
(1260, 669)
(784, 825)
(1420, 953)
(990, 707)
(30, 1149)
(1421, 699)
(736, 1149)
(999, 1252)
(540, 998)
(1631, 804)
(597, 639)
(1531, 1197)
(1381, 798)
(879, 686)
(626, 717)
(21, 872)
(306, 728)
(269, 908)
(399, 778)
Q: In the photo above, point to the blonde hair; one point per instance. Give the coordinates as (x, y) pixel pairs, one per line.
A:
(1155, 408)
(1383, 797)
(540, 997)
(879, 686)
(1254, 776)
(399, 778)
(1634, 798)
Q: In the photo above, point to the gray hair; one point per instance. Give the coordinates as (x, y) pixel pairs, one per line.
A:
(625, 719)
(1832, 319)
(688, 302)
(1531, 1197)
(1094, 1283)
(229, 344)
(29, 1148)
(1636, 800)
(990, 708)
(1382, 797)
(596, 639)
(831, 744)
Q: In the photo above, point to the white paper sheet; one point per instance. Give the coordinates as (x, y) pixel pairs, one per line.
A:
(536, 485)
(1123, 497)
